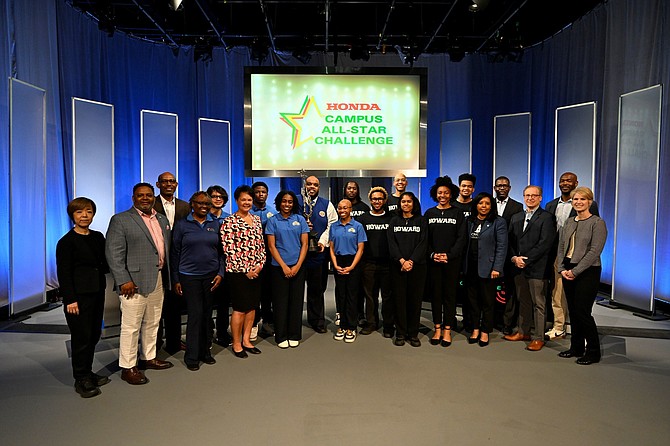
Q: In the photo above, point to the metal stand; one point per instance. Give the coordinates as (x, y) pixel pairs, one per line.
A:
(653, 316)
(608, 304)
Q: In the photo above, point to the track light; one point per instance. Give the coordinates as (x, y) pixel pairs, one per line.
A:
(176, 5)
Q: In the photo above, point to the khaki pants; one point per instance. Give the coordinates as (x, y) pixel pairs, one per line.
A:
(559, 303)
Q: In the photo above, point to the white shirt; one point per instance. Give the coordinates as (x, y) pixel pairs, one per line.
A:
(501, 205)
(169, 209)
(563, 209)
(529, 215)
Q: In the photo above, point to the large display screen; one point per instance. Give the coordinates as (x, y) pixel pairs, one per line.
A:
(335, 121)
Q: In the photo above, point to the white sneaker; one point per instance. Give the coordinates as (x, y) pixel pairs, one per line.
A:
(350, 336)
(293, 344)
(283, 344)
(553, 334)
(254, 333)
(339, 335)
(337, 319)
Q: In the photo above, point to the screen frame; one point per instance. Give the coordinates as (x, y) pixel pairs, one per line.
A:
(421, 72)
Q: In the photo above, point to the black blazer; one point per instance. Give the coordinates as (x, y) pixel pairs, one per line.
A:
(512, 207)
(535, 242)
(553, 204)
(181, 208)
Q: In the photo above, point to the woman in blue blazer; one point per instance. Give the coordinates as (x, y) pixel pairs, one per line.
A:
(483, 264)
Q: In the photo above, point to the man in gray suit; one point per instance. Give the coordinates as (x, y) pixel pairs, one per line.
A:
(531, 236)
(137, 253)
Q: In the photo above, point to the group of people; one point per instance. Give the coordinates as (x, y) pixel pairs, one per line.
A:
(167, 255)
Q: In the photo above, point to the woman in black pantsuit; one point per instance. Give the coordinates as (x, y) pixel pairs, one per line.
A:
(81, 268)
(581, 241)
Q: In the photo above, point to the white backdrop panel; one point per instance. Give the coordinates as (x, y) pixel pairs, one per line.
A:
(511, 151)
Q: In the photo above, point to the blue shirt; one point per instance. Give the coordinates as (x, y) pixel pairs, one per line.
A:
(287, 232)
(196, 248)
(346, 237)
(265, 214)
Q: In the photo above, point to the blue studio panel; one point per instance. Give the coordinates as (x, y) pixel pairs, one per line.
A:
(159, 147)
(27, 201)
(511, 151)
(575, 145)
(636, 214)
(214, 155)
(93, 157)
(455, 148)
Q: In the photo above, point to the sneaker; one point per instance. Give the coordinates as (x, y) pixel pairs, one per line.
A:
(337, 319)
(293, 344)
(339, 335)
(350, 336)
(254, 333)
(283, 344)
(553, 334)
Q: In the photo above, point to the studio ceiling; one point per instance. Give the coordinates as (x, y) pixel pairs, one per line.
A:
(373, 26)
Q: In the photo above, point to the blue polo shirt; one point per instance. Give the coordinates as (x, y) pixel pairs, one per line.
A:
(196, 248)
(265, 214)
(287, 232)
(346, 237)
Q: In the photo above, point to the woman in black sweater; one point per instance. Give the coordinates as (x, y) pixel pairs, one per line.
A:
(81, 268)
(408, 235)
(446, 242)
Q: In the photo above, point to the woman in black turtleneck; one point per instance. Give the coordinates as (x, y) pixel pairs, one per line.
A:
(408, 234)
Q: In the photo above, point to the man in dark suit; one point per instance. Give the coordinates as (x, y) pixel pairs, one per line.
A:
(531, 236)
(174, 209)
(136, 250)
(507, 207)
(562, 209)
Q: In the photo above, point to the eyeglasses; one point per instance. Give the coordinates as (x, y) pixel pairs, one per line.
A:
(169, 181)
(216, 197)
(502, 186)
(532, 195)
(376, 199)
(206, 204)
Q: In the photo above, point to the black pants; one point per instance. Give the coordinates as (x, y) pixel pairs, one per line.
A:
(315, 303)
(221, 299)
(511, 311)
(265, 311)
(481, 297)
(85, 329)
(408, 294)
(376, 277)
(287, 300)
(347, 290)
(199, 302)
(581, 294)
(443, 279)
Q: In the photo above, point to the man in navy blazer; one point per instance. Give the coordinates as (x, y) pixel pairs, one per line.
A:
(136, 249)
(506, 207)
(562, 209)
(174, 209)
(531, 236)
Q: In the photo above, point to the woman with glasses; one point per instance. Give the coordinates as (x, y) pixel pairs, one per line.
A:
(244, 248)
(219, 198)
(196, 262)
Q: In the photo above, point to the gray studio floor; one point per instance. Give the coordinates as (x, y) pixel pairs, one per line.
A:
(369, 392)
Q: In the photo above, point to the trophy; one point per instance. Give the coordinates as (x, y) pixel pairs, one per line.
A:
(307, 211)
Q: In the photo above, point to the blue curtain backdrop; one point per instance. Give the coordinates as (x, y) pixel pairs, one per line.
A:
(619, 47)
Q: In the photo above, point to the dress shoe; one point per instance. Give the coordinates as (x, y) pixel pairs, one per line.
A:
(437, 336)
(388, 334)
(569, 354)
(507, 331)
(517, 337)
(473, 340)
(368, 329)
(414, 342)
(319, 329)
(535, 346)
(223, 341)
(283, 344)
(399, 341)
(209, 360)
(241, 354)
(155, 364)
(484, 343)
(86, 388)
(193, 367)
(293, 344)
(133, 376)
(252, 350)
(588, 360)
(100, 380)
